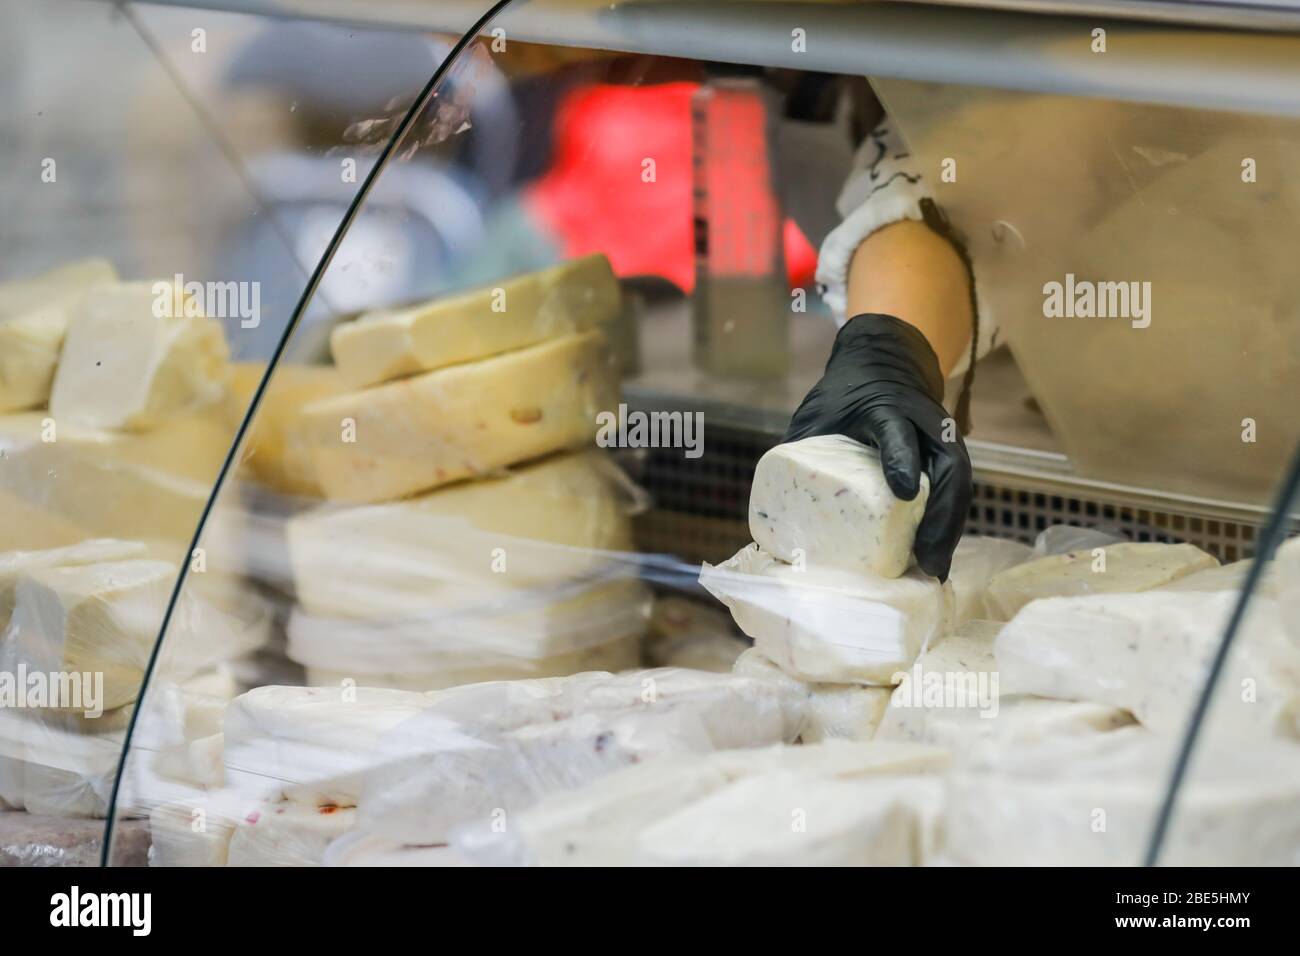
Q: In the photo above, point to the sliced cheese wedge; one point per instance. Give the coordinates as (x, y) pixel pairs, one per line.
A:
(565, 299)
(459, 422)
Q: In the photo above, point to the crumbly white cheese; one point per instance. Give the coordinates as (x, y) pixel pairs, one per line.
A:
(562, 300)
(124, 367)
(1116, 568)
(464, 421)
(1287, 573)
(1148, 653)
(830, 626)
(823, 502)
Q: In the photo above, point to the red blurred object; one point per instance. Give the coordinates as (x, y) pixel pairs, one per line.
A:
(620, 183)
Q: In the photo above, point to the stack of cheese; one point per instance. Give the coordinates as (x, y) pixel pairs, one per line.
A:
(109, 423)
(413, 767)
(470, 531)
(826, 591)
(83, 621)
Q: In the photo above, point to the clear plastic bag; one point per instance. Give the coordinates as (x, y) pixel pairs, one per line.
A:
(830, 626)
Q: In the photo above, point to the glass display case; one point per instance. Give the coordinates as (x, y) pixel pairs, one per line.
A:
(382, 388)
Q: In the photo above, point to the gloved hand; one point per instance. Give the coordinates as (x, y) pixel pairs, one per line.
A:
(882, 386)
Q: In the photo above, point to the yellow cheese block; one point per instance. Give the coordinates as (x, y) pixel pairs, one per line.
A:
(61, 484)
(540, 526)
(124, 367)
(459, 422)
(267, 452)
(33, 318)
(562, 300)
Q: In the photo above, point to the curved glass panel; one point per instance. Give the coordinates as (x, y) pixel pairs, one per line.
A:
(490, 523)
(172, 176)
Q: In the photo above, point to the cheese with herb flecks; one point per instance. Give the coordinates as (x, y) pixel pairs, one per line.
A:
(823, 502)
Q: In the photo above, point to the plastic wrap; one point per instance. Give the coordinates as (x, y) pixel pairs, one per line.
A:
(1113, 569)
(975, 562)
(952, 698)
(1091, 801)
(833, 711)
(686, 633)
(824, 501)
(561, 630)
(601, 823)
(541, 526)
(101, 621)
(1146, 653)
(830, 626)
(439, 772)
(287, 834)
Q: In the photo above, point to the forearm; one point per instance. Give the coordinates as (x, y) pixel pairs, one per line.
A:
(904, 269)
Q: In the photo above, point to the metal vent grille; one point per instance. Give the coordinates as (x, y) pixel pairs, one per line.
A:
(700, 506)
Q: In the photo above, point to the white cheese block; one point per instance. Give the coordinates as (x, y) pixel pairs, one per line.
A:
(833, 711)
(14, 564)
(1148, 654)
(823, 503)
(33, 319)
(536, 526)
(464, 421)
(18, 296)
(830, 626)
(438, 777)
(150, 486)
(952, 698)
(267, 454)
(790, 819)
(287, 834)
(1091, 801)
(356, 848)
(975, 562)
(562, 300)
(612, 656)
(95, 618)
(125, 367)
(690, 634)
(1116, 568)
(314, 742)
(189, 833)
(104, 619)
(599, 824)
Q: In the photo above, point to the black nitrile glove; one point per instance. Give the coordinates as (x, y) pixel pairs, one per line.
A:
(882, 386)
